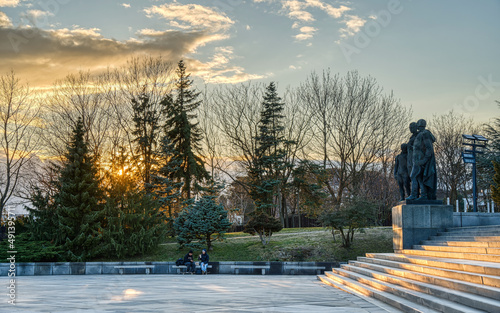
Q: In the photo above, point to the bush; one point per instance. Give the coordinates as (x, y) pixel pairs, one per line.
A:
(30, 250)
(262, 224)
(355, 214)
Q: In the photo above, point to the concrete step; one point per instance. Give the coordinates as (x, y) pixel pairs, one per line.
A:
(460, 229)
(454, 255)
(477, 272)
(456, 284)
(480, 250)
(465, 298)
(454, 237)
(435, 303)
(490, 244)
(351, 286)
(471, 233)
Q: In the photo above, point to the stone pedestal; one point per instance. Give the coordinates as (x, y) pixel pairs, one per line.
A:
(412, 223)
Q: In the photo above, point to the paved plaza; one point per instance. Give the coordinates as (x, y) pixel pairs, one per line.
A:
(178, 293)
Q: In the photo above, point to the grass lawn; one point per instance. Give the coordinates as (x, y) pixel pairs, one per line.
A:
(292, 244)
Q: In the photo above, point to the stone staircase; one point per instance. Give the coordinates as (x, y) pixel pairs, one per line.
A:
(455, 271)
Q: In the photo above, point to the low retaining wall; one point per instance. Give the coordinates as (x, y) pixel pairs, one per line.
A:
(104, 268)
(465, 219)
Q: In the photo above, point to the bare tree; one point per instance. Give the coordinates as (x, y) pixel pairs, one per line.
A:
(212, 139)
(237, 112)
(77, 96)
(452, 171)
(18, 135)
(353, 122)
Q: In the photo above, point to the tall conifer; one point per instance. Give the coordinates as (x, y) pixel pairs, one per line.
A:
(184, 134)
(79, 201)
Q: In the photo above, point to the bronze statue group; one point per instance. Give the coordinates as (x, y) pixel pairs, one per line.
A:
(415, 168)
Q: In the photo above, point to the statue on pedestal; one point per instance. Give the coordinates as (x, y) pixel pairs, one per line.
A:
(423, 174)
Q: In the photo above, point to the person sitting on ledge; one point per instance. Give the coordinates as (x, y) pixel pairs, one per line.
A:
(189, 262)
(203, 261)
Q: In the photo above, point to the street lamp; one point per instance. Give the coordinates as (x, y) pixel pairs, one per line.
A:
(478, 144)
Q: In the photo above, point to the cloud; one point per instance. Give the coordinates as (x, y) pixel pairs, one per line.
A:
(192, 16)
(219, 70)
(299, 10)
(296, 10)
(306, 32)
(353, 25)
(9, 3)
(4, 20)
(44, 55)
(125, 5)
(36, 14)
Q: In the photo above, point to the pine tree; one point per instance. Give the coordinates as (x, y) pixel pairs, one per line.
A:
(134, 224)
(204, 220)
(185, 135)
(165, 190)
(267, 170)
(79, 201)
(147, 129)
(269, 164)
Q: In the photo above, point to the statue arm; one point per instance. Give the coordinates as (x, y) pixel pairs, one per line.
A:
(428, 150)
(396, 166)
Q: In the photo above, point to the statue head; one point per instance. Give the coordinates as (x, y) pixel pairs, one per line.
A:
(404, 148)
(413, 127)
(421, 125)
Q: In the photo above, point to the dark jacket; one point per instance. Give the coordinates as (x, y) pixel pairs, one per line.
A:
(188, 258)
(204, 258)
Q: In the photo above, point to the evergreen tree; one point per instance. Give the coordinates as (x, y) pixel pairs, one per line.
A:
(43, 218)
(306, 185)
(166, 191)
(266, 171)
(204, 220)
(79, 201)
(134, 224)
(184, 134)
(147, 129)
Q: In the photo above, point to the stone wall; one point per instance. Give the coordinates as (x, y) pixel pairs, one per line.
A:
(467, 219)
(105, 268)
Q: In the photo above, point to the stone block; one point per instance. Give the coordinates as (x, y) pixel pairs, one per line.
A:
(25, 269)
(415, 223)
(109, 267)
(93, 268)
(77, 268)
(4, 269)
(225, 267)
(161, 267)
(60, 268)
(43, 269)
(276, 268)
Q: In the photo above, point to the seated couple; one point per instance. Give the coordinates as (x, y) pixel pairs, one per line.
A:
(191, 265)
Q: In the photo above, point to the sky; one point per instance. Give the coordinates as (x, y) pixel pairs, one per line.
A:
(435, 56)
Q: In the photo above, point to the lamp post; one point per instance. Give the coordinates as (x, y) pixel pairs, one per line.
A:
(477, 143)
